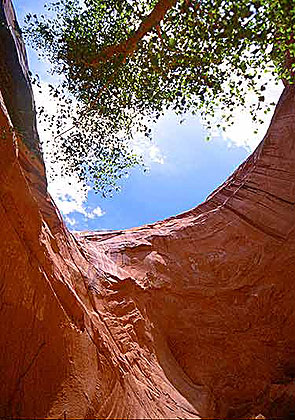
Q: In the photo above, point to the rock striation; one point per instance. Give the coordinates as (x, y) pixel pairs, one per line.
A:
(189, 317)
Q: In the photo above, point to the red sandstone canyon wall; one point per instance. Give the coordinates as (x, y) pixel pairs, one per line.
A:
(189, 317)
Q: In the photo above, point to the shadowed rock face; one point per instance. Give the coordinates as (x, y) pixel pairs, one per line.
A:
(15, 86)
(189, 317)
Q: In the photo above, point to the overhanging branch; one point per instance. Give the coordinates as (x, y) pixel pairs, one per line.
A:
(128, 46)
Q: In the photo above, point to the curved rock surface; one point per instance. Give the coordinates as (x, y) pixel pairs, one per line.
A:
(189, 317)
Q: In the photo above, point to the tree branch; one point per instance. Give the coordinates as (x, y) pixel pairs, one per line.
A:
(129, 46)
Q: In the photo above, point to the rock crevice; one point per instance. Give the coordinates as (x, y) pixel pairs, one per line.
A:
(189, 317)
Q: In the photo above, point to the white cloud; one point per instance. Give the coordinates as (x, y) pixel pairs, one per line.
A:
(97, 212)
(156, 155)
(68, 192)
(148, 149)
(70, 196)
(70, 221)
(241, 133)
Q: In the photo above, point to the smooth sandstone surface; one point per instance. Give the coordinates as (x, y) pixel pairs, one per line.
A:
(189, 317)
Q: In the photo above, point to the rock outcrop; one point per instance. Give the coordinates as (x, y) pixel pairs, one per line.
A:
(189, 317)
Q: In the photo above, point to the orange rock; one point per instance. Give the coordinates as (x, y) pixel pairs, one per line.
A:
(191, 316)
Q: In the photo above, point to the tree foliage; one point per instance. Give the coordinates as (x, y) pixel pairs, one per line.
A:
(124, 62)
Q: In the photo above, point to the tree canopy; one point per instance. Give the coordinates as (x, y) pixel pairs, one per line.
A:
(124, 62)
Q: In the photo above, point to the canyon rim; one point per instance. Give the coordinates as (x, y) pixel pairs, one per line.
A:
(189, 317)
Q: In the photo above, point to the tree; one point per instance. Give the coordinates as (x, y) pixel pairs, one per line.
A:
(124, 62)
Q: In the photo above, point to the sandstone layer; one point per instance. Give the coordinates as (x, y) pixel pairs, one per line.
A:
(189, 317)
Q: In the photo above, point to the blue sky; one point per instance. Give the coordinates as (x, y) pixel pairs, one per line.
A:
(184, 167)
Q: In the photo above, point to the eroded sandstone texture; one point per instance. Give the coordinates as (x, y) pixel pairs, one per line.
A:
(191, 316)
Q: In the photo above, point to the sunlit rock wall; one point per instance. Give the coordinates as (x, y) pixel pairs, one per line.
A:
(189, 317)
